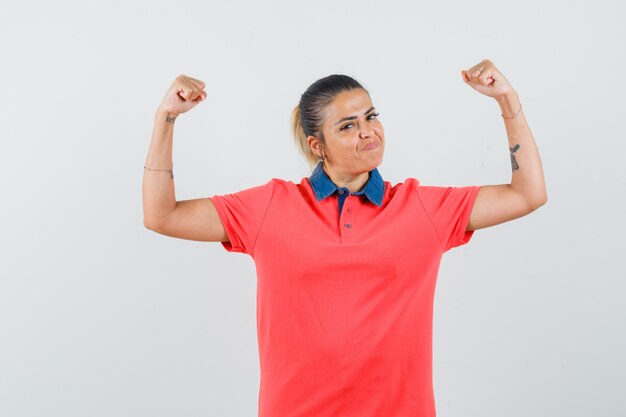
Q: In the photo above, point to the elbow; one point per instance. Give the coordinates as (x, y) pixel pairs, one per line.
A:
(531, 199)
(543, 199)
(155, 221)
(538, 202)
(150, 224)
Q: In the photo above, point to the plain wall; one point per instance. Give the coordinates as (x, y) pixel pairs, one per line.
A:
(100, 316)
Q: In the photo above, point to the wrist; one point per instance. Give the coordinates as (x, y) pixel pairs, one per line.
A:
(509, 103)
(165, 116)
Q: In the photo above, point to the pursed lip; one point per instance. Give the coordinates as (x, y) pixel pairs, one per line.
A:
(371, 145)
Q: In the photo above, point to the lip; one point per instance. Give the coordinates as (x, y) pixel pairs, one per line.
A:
(370, 146)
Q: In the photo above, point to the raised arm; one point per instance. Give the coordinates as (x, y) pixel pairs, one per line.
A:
(195, 219)
(500, 203)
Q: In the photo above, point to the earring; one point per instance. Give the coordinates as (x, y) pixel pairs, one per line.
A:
(323, 157)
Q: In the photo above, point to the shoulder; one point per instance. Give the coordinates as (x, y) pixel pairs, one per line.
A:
(408, 184)
(276, 184)
(282, 184)
(286, 188)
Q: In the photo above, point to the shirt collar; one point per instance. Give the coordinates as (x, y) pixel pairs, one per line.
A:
(323, 186)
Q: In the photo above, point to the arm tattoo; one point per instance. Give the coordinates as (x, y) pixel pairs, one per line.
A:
(514, 165)
(169, 119)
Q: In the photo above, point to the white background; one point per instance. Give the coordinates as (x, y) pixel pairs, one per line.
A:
(100, 316)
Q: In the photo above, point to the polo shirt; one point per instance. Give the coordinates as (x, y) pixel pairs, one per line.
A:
(345, 292)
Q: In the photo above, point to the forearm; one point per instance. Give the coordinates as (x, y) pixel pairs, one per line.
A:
(527, 172)
(158, 186)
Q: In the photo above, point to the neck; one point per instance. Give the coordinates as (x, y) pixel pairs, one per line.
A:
(352, 182)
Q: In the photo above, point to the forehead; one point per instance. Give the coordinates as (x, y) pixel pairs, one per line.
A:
(349, 103)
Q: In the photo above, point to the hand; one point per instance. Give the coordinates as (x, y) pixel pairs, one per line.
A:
(183, 95)
(486, 79)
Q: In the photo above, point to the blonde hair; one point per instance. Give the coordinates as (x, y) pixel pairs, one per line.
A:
(308, 116)
(301, 138)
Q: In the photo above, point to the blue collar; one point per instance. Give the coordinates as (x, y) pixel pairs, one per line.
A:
(323, 186)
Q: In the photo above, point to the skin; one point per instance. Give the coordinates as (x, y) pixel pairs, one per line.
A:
(499, 203)
(347, 163)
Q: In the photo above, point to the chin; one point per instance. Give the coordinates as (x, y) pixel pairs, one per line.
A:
(374, 163)
(379, 160)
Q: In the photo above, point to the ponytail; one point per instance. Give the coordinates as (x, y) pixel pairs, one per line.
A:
(301, 137)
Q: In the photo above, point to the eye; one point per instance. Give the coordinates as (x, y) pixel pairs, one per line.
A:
(369, 117)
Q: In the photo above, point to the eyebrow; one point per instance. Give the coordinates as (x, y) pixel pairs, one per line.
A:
(354, 117)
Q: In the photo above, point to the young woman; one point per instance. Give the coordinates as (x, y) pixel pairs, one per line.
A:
(346, 262)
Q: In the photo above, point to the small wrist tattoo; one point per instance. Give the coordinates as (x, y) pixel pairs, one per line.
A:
(514, 165)
(169, 119)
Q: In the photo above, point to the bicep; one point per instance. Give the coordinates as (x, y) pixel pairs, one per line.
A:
(497, 204)
(195, 219)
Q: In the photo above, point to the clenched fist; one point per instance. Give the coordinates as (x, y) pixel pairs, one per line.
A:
(183, 95)
(485, 78)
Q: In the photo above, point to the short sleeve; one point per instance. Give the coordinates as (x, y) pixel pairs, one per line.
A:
(242, 214)
(449, 209)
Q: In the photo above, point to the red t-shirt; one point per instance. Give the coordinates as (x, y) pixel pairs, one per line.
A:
(344, 313)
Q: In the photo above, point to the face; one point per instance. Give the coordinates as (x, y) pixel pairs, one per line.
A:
(355, 138)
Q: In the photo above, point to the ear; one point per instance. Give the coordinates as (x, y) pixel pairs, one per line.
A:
(314, 145)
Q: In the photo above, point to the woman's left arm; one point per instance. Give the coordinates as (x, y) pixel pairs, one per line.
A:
(500, 203)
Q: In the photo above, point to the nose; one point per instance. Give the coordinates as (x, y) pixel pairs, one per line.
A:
(366, 132)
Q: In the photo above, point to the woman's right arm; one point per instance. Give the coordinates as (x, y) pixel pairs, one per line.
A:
(195, 219)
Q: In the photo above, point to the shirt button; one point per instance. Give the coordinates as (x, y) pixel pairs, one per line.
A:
(348, 225)
(340, 191)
